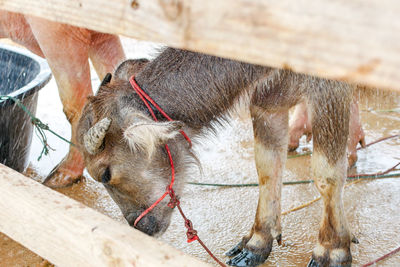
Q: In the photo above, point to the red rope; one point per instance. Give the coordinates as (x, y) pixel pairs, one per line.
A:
(383, 257)
(374, 174)
(191, 233)
(379, 140)
(145, 97)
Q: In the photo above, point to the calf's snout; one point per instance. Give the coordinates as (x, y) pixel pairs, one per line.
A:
(148, 224)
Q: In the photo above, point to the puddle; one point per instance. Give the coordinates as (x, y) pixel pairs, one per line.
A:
(223, 215)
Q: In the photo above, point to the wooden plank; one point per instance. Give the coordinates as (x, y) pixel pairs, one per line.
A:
(67, 233)
(356, 41)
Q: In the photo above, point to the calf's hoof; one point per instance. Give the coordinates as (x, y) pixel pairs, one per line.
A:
(313, 263)
(247, 258)
(245, 255)
(355, 240)
(339, 257)
(235, 250)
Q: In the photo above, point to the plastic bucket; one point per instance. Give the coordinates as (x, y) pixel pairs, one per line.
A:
(22, 74)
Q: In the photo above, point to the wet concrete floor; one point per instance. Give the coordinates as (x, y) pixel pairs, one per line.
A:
(223, 215)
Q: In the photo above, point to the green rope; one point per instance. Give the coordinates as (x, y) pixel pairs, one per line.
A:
(40, 127)
(372, 176)
(360, 176)
(299, 155)
(383, 110)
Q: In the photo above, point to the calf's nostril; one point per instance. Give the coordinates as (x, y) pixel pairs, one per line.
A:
(148, 224)
(131, 217)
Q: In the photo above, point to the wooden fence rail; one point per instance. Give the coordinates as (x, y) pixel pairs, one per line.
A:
(356, 41)
(67, 233)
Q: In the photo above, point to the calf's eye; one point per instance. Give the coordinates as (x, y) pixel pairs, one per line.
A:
(106, 177)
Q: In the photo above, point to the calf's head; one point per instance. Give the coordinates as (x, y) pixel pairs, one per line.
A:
(124, 149)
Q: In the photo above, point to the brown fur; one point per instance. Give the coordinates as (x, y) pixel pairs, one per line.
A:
(199, 90)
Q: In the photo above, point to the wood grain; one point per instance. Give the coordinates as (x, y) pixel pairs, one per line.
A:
(357, 41)
(67, 233)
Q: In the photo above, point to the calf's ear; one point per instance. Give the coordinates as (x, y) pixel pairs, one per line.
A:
(130, 67)
(147, 135)
(106, 79)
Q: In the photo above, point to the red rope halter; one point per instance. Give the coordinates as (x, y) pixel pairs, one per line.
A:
(174, 201)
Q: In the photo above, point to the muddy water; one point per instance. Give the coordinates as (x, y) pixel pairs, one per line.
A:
(223, 215)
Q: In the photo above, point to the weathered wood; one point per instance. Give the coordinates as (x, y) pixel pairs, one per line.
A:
(356, 41)
(67, 233)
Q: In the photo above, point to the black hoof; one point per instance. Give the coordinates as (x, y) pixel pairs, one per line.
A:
(312, 263)
(279, 239)
(235, 250)
(246, 258)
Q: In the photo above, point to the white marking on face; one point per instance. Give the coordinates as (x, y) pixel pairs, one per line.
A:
(147, 135)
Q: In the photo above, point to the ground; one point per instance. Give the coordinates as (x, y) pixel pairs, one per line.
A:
(223, 215)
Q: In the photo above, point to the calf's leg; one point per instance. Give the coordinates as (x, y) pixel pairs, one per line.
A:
(270, 149)
(330, 119)
(300, 124)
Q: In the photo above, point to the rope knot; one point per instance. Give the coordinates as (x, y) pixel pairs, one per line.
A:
(174, 201)
(191, 233)
(39, 123)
